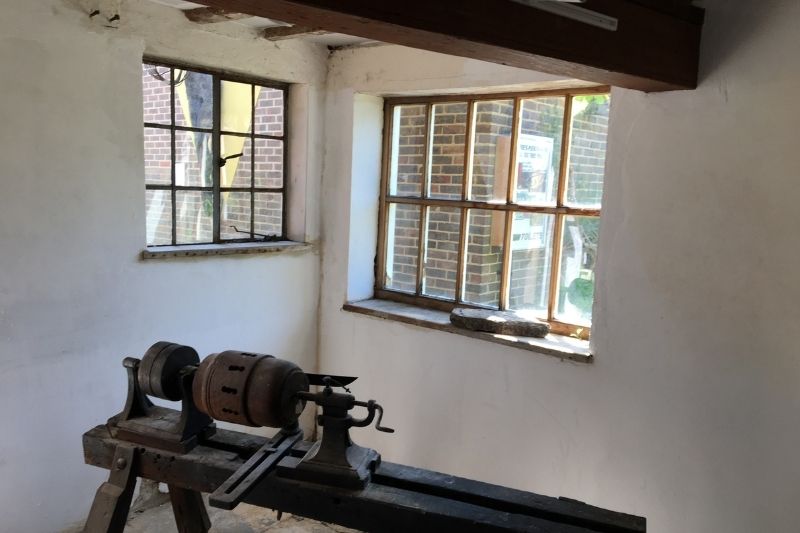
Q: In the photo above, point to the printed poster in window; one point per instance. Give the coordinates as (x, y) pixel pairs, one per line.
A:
(535, 176)
(535, 172)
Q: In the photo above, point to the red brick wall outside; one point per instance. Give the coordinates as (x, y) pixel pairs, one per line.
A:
(405, 247)
(448, 138)
(588, 155)
(408, 161)
(493, 121)
(410, 156)
(194, 160)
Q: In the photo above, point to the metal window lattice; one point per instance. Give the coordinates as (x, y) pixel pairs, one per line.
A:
(215, 190)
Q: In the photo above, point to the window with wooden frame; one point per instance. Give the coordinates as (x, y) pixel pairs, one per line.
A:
(494, 201)
(214, 148)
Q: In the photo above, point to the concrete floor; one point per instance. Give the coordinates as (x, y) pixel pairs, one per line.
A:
(154, 515)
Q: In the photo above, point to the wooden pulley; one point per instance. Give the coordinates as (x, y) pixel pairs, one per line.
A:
(159, 370)
(250, 389)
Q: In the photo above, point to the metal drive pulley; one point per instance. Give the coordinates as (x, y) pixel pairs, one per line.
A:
(238, 387)
(250, 389)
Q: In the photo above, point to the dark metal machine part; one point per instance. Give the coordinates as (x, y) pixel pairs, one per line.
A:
(333, 480)
(165, 372)
(336, 459)
(160, 367)
(250, 389)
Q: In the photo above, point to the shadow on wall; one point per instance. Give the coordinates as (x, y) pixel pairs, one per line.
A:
(729, 28)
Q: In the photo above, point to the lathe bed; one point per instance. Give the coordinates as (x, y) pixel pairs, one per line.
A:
(333, 480)
(399, 498)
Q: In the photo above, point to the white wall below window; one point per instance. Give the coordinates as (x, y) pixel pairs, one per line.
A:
(74, 296)
(688, 416)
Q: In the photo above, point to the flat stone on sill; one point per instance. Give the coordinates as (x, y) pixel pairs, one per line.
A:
(564, 348)
(499, 322)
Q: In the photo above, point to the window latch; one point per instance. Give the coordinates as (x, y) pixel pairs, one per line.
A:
(265, 238)
(223, 160)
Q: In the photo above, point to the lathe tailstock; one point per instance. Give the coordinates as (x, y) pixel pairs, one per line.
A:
(332, 480)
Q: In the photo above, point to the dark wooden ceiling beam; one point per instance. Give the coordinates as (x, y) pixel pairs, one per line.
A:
(676, 8)
(279, 33)
(210, 15)
(652, 50)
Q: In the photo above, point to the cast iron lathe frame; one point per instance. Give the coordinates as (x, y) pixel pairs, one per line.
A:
(333, 480)
(398, 498)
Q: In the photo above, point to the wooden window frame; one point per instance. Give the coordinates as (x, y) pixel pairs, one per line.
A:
(561, 210)
(218, 77)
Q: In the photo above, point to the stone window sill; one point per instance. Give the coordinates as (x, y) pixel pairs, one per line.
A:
(566, 348)
(238, 248)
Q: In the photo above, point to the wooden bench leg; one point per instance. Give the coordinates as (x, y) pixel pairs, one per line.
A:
(189, 509)
(113, 499)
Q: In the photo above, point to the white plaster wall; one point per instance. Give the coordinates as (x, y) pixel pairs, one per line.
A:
(367, 118)
(74, 297)
(689, 414)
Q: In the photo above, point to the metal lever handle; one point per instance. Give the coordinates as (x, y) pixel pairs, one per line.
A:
(264, 236)
(378, 425)
(223, 160)
(372, 407)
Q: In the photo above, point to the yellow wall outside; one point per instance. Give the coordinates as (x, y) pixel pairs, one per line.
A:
(236, 108)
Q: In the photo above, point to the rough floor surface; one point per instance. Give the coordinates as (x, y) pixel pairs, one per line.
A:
(158, 518)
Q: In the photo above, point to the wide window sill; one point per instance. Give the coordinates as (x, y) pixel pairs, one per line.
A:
(567, 348)
(238, 248)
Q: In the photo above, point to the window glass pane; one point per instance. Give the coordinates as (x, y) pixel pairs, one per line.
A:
(408, 150)
(402, 247)
(235, 211)
(194, 99)
(539, 150)
(440, 264)
(237, 107)
(449, 137)
(484, 267)
(269, 213)
(491, 151)
(193, 220)
(576, 274)
(156, 94)
(587, 153)
(269, 111)
(531, 258)
(158, 210)
(269, 164)
(237, 153)
(157, 156)
(193, 159)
